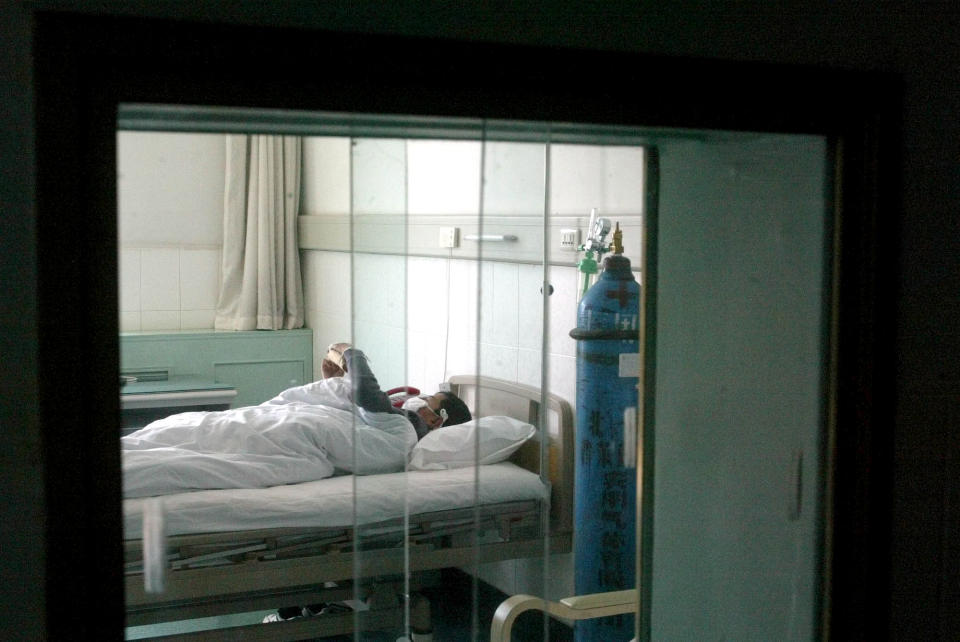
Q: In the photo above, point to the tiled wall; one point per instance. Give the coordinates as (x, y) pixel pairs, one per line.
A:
(417, 317)
(170, 202)
(168, 288)
(424, 318)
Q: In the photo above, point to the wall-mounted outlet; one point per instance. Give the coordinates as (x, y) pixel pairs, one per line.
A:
(569, 239)
(449, 237)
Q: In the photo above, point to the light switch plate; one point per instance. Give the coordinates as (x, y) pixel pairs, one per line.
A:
(569, 239)
(449, 237)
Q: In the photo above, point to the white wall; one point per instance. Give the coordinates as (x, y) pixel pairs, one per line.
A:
(170, 203)
(417, 316)
(423, 318)
(420, 318)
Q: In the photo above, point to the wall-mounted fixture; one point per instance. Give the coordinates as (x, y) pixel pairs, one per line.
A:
(569, 239)
(449, 237)
(489, 237)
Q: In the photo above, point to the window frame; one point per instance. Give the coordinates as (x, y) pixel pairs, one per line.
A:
(87, 65)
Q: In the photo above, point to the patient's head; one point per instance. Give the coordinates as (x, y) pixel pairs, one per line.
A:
(457, 411)
(438, 405)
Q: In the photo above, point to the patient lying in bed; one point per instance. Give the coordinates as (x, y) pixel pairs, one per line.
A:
(339, 424)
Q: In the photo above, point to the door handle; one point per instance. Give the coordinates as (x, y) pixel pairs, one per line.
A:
(795, 508)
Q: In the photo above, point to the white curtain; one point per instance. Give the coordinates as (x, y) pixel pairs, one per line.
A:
(260, 286)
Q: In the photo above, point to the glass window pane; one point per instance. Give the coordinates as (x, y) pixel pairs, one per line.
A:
(451, 249)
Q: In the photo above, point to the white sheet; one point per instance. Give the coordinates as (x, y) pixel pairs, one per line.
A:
(304, 434)
(330, 502)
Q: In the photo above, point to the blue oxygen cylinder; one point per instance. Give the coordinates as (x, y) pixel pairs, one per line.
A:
(605, 489)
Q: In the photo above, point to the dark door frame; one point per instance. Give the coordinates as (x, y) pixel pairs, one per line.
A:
(86, 65)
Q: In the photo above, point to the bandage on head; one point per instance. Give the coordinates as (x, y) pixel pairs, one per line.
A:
(336, 357)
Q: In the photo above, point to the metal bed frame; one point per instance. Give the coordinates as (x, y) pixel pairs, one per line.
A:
(241, 571)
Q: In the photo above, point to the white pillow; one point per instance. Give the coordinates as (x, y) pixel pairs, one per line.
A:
(453, 446)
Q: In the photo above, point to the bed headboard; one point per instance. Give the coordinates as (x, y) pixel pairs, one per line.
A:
(488, 396)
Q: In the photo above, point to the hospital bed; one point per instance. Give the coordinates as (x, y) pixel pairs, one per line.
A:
(242, 550)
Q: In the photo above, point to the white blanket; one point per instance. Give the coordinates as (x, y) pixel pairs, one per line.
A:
(303, 434)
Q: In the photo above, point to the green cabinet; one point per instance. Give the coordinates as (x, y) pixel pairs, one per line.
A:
(258, 364)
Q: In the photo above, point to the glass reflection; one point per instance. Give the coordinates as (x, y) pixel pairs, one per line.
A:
(439, 258)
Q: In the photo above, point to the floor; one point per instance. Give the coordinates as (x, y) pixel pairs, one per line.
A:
(452, 609)
(453, 615)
